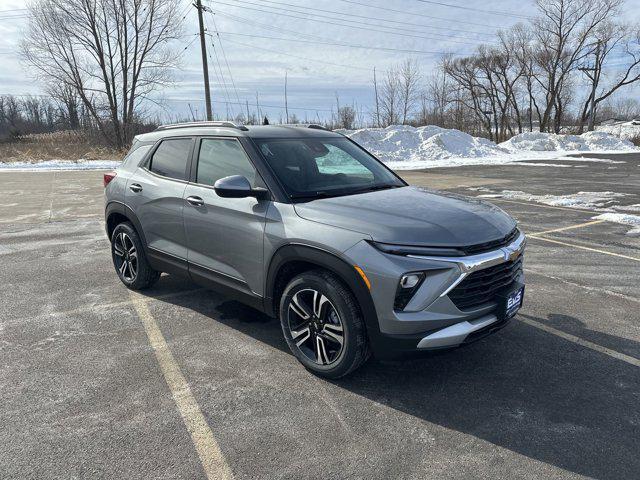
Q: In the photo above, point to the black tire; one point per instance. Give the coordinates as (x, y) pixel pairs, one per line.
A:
(336, 359)
(138, 274)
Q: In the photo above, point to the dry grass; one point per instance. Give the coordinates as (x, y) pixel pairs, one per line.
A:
(636, 140)
(65, 145)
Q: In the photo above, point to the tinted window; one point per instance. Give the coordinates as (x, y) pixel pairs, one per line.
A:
(310, 167)
(170, 158)
(221, 158)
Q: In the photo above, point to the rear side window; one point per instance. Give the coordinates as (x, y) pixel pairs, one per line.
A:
(171, 157)
(221, 158)
(135, 155)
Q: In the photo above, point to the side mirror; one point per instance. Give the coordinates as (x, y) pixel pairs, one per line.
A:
(237, 186)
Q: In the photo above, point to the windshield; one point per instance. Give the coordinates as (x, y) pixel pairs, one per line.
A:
(323, 167)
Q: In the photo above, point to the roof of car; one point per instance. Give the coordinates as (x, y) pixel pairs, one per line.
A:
(228, 129)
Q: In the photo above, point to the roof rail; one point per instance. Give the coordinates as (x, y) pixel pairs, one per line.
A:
(316, 126)
(303, 125)
(202, 124)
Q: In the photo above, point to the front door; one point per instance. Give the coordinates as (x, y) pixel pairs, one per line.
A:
(224, 235)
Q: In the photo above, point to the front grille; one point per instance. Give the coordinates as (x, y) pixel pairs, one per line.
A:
(492, 245)
(481, 287)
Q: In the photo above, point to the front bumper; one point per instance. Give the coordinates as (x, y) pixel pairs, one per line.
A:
(431, 320)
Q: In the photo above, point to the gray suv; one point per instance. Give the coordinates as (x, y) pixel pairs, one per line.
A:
(304, 224)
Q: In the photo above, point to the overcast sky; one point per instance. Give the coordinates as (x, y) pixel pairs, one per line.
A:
(251, 42)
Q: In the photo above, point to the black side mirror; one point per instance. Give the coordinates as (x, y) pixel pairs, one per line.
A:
(237, 186)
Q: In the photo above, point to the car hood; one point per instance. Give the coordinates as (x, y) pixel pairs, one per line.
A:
(412, 216)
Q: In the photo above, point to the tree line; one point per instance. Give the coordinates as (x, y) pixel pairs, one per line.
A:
(567, 66)
(100, 61)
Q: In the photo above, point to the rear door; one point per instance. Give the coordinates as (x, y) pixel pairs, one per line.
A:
(155, 193)
(224, 235)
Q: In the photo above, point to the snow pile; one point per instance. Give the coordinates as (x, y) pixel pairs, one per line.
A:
(414, 145)
(551, 142)
(626, 130)
(624, 219)
(60, 165)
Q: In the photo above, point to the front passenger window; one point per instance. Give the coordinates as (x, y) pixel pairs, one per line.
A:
(221, 158)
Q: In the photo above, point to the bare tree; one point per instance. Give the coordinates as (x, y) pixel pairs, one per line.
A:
(563, 32)
(390, 98)
(409, 82)
(112, 53)
(68, 104)
(609, 37)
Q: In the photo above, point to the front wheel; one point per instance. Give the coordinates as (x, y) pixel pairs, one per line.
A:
(322, 324)
(129, 259)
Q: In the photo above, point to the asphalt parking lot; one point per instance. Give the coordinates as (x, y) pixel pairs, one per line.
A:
(97, 382)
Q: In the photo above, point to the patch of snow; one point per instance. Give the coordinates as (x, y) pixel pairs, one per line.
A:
(585, 200)
(49, 165)
(595, 201)
(627, 208)
(551, 142)
(624, 219)
(531, 164)
(626, 130)
(589, 159)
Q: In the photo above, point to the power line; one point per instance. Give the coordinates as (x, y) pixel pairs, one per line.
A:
(13, 17)
(224, 55)
(298, 56)
(387, 20)
(393, 30)
(418, 14)
(366, 47)
(219, 73)
(262, 105)
(471, 9)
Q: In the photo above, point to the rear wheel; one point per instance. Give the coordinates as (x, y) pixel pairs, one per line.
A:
(322, 324)
(129, 259)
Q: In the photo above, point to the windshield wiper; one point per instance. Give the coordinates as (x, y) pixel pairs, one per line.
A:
(341, 193)
(374, 188)
(312, 195)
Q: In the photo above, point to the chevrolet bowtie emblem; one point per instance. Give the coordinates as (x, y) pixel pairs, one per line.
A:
(511, 253)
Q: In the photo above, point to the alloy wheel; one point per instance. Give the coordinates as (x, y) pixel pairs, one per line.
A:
(125, 256)
(315, 326)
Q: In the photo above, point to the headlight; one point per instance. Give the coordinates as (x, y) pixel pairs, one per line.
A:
(407, 287)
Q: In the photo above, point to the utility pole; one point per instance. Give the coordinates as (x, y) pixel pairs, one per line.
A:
(594, 75)
(286, 105)
(205, 67)
(375, 86)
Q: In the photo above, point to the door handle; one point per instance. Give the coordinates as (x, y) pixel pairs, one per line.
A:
(195, 201)
(134, 187)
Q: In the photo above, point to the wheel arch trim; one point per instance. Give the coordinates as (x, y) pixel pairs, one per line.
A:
(116, 207)
(346, 272)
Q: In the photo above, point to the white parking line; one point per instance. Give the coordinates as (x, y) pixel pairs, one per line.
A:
(564, 229)
(211, 456)
(582, 247)
(584, 343)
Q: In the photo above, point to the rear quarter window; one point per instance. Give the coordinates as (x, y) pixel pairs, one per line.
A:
(135, 155)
